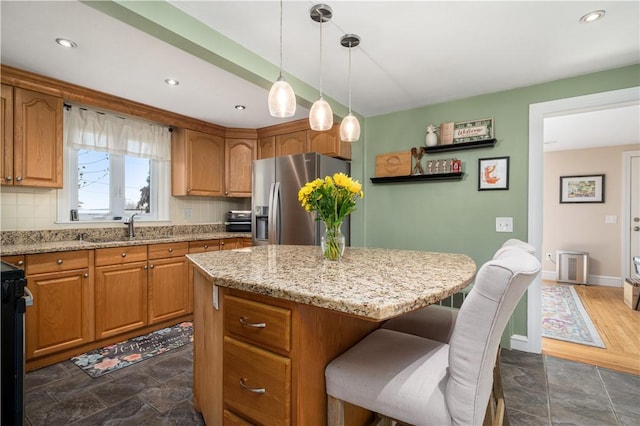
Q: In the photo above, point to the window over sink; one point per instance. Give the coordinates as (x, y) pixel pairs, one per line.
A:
(114, 167)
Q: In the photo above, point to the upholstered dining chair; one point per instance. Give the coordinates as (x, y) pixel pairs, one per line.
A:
(421, 381)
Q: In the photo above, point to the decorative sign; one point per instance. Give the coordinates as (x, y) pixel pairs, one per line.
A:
(470, 131)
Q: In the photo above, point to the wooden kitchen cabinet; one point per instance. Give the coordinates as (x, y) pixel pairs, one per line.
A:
(267, 147)
(230, 243)
(17, 260)
(62, 313)
(31, 138)
(238, 160)
(170, 290)
(120, 290)
(197, 163)
(292, 143)
(202, 246)
(329, 143)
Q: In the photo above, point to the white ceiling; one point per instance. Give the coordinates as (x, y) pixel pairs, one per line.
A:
(412, 53)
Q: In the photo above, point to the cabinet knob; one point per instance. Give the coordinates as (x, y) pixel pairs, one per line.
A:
(8, 178)
(86, 275)
(244, 321)
(206, 246)
(59, 261)
(243, 385)
(170, 250)
(146, 267)
(20, 262)
(124, 254)
(18, 178)
(152, 266)
(221, 243)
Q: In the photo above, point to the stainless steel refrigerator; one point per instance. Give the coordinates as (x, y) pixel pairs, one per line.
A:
(278, 217)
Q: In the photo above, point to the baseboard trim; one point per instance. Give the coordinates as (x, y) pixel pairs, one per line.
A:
(602, 280)
(520, 343)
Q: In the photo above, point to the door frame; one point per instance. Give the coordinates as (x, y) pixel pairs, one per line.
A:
(626, 206)
(532, 342)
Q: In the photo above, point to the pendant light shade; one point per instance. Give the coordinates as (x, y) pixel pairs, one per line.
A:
(350, 126)
(321, 115)
(282, 99)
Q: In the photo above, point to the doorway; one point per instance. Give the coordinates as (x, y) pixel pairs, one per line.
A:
(537, 113)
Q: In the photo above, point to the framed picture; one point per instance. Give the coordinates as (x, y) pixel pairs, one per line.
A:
(582, 189)
(493, 173)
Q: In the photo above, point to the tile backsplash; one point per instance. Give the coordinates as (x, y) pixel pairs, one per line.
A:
(23, 208)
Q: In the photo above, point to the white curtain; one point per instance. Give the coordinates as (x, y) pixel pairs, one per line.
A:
(86, 129)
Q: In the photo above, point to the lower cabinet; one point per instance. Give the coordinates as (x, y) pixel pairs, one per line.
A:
(121, 298)
(170, 290)
(62, 313)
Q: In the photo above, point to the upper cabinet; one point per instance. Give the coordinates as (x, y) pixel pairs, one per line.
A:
(239, 153)
(329, 143)
(292, 143)
(31, 138)
(267, 147)
(197, 163)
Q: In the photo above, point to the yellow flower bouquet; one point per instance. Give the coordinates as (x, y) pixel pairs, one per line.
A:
(332, 198)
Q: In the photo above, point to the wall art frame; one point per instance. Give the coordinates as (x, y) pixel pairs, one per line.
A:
(582, 189)
(493, 173)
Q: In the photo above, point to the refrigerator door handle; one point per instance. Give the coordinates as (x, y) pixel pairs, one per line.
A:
(270, 216)
(273, 225)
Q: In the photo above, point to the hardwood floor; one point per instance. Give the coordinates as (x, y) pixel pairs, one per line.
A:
(619, 328)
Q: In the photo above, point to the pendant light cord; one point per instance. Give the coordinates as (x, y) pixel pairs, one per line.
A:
(321, 21)
(349, 82)
(280, 38)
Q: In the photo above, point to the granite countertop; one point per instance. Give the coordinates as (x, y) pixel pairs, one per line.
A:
(104, 242)
(370, 282)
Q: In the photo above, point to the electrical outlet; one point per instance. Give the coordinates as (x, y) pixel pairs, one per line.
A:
(187, 213)
(549, 257)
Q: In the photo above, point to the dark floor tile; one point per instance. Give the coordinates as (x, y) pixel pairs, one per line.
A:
(132, 411)
(521, 359)
(45, 375)
(168, 367)
(37, 400)
(59, 389)
(113, 392)
(520, 418)
(524, 382)
(182, 414)
(75, 406)
(172, 392)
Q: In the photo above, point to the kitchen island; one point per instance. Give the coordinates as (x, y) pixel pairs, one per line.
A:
(268, 319)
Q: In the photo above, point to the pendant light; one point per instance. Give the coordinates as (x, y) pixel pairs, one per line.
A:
(282, 100)
(350, 126)
(321, 116)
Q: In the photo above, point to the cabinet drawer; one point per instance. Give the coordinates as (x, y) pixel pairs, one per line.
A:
(259, 323)
(57, 262)
(256, 383)
(230, 419)
(165, 250)
(204, 245)
(119, 255)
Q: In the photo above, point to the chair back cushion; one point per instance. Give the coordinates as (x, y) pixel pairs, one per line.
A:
(499, 285)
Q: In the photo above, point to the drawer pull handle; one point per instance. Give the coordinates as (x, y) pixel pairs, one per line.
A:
(170, 250)
(124, 254)
(243, 321)
(254, 390)
(206, 246)
(59, 261)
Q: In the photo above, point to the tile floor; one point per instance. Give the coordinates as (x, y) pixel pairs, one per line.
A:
(539, 390)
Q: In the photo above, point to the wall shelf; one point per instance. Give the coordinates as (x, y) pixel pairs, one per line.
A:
(460, 146)
(418, 178)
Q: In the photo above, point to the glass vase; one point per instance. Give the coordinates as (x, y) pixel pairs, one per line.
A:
(332, 243)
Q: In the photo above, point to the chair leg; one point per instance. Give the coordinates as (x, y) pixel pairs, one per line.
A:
(335, 411)
(496, 414)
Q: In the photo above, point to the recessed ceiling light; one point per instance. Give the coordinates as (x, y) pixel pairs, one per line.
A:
(240, 107)
(171, 81)
(65, 42)
(592, 16)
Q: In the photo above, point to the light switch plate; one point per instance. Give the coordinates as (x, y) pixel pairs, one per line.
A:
(504, 224)
(611, 219)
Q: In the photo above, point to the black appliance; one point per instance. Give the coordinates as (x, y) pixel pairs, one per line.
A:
(15, 298)
(238, 221)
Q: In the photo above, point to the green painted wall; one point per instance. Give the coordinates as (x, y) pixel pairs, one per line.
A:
(454, 216)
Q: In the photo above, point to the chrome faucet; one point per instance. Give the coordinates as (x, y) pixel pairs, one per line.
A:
(130, 230)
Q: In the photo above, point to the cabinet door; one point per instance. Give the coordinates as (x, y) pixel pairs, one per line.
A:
(267, 147)
(168, 289)
(291, 143)
(6, 143)
(205, 164)
(37, 134)
(121, 298)
(329, 143)
(62, 312)
(238, 159)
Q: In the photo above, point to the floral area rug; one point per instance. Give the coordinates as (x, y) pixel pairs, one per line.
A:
(564, 316)
(114, 357)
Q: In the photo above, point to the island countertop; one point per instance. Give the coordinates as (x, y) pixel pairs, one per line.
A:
(374, 283)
